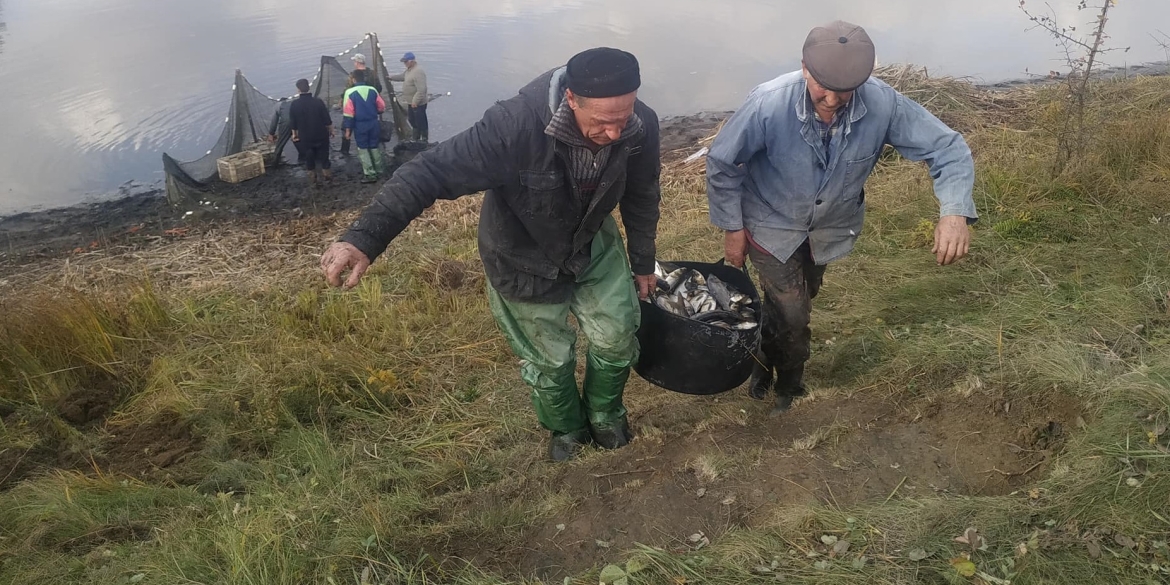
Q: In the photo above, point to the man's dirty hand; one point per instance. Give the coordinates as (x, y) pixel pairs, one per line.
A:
(952, 239)
(341, 257)
(646, 284)
(735, 248)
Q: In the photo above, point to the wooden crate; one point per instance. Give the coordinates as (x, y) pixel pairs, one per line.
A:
(265, 148)
(240, 167)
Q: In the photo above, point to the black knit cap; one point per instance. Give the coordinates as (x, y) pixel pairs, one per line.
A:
(603, 72)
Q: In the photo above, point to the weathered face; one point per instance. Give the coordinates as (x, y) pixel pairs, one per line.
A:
(602, 120)
(826, 101)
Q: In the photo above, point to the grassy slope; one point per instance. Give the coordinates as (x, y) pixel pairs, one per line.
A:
(335, 432)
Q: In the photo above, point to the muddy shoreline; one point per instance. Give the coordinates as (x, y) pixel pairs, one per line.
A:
(283, 194)
(144, 215)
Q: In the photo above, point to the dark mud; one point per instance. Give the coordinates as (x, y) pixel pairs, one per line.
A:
(145, 215)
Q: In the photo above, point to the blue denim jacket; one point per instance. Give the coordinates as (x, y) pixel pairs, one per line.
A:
(768, 171)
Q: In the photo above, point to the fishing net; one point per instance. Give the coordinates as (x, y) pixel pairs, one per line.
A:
(253, 116)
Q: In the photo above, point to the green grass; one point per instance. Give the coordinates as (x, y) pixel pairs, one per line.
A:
(336, 434)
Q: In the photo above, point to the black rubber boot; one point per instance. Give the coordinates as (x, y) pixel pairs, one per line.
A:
(789, 387)
(761, 382)
(565, 446)
(613, 436)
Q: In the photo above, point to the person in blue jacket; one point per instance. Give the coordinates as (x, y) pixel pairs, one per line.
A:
(362, 104)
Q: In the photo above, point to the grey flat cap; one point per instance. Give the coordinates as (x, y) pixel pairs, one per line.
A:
(839, 55)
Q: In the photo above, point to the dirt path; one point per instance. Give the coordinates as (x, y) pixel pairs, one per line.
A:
(837, 451)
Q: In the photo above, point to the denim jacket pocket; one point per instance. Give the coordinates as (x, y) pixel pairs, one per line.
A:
(856, 173)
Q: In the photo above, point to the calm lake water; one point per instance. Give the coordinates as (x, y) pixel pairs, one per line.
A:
(94, 91)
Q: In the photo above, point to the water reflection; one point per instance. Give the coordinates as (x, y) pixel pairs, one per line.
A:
(3, 26)
(147, 76)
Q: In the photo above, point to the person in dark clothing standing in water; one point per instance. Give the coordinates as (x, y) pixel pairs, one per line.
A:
(312, 128)
(414, 96)
(555, 160)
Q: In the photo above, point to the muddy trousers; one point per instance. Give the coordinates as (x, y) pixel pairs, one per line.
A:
(417, 116)
(368, 136)
(372, 164)
(605, 304)
(786, 338)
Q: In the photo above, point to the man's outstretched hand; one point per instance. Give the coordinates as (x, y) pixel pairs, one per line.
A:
(952, 239)
(341, 257)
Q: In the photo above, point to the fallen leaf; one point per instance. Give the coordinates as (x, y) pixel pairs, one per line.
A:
(1034, 494)
(1094, 549)
(841, 547)
(702, 492)
(611, 575)
(762, 570)
(729, 500)
(859, 562)
(635, 565)
(919, 554)
(699, 540)
(1124, 540)
(1021, 550)
(602, 543)
(560, 527)
(1133, 482)
(829, 539)
(972, 538)
(823, 565)
(964, 566)
(365, 579)
(137, 578)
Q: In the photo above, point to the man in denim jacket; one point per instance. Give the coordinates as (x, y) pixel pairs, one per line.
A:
(786, 177)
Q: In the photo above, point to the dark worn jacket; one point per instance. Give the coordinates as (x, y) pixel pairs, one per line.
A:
(309, 118)
(534, 232)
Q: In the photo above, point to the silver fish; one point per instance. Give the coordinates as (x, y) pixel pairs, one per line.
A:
(703, 302)
(672, 304)
(674, 279)
(699, 279)
(720, 291)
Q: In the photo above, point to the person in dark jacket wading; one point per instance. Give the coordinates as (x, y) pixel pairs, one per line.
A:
(555, 161)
